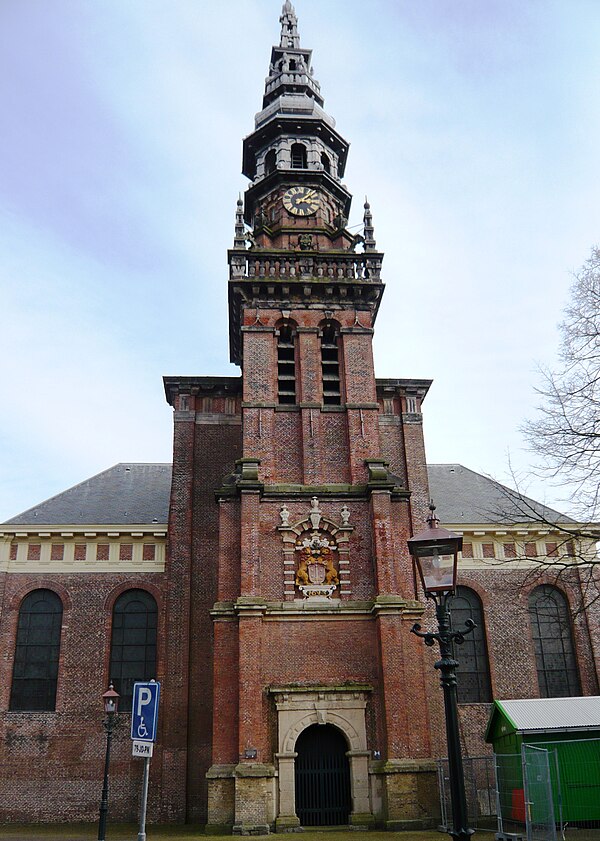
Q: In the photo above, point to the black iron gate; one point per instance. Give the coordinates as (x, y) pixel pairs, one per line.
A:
(322, 777)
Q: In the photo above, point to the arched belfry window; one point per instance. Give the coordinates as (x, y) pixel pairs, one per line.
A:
(330, 365)
(133, 644)
(298, 156)
(270, 161)
(473, 672)
(286, 364)
(35, 668)
(558, 676)
(325, 162)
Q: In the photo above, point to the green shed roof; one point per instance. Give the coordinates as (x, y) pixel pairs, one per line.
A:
(543, 715)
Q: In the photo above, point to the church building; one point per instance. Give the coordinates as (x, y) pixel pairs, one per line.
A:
(264, 578)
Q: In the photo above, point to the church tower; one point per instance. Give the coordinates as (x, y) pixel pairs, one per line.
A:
(291, 593)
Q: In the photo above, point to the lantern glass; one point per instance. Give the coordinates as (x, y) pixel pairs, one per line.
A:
(438, 570)
(111, 701)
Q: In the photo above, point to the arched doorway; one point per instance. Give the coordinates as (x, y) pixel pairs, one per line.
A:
(322, 777)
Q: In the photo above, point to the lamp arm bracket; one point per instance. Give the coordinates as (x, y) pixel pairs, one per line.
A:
(428, 637)
(459, 636)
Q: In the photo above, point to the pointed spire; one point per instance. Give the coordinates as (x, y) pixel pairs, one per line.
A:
(289, 27)
(290, 71)
(240, 230)
(369, 230)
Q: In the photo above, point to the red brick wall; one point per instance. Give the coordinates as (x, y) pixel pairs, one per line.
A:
(52, 762)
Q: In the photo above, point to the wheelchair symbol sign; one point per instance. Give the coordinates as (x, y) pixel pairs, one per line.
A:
(144, 711)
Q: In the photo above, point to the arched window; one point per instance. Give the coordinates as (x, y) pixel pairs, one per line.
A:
(553, 642)
(325, 162)
(133, 645)
(473, 672)
(298, 156)
(330, 365)
(270, 161)
(35, 668)
(286, 365)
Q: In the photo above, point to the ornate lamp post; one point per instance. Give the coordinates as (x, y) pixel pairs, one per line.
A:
(110, 700)
(435, 552)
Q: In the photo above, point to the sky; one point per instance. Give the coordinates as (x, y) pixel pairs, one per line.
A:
(474, 128)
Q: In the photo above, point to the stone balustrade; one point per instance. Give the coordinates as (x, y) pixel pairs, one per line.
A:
(339, 267)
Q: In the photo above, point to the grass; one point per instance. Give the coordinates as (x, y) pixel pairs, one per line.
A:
(129, 832)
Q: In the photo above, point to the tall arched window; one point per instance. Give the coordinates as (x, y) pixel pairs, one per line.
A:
(473, 672)
(298, 156)
(270, 161)
(133, 645)
(35, 669)
(330, 365)
(325, 162)
(286, 365)
(553, 642)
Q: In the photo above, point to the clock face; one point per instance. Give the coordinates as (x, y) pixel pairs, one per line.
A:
(301, 201)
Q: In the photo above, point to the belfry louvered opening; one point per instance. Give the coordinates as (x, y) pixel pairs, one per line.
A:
(330, 366)
(286, 365)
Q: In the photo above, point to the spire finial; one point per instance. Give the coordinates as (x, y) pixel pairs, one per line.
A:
(369, 230)
(239, 240)
(289, 27)
(432, 520)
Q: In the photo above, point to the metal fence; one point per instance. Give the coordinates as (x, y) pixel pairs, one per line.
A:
(480, 789)
(548, 789)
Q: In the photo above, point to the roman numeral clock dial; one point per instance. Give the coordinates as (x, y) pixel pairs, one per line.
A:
(301, 201)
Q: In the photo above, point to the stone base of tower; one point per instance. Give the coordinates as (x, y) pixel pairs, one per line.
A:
(221, 799)
(405, 794)
(241, 799)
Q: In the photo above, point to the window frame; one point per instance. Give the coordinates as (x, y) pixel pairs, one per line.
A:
(122, 672)
(331, 369)
(475, 685)
(546, 659)
(287, 369)
(27, 661)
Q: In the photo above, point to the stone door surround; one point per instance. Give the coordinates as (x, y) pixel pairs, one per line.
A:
(299, 707)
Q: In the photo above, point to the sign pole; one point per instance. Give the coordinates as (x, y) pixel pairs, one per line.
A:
(142, 831)
(144, 719)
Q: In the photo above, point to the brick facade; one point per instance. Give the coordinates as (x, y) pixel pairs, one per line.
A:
(263, 633)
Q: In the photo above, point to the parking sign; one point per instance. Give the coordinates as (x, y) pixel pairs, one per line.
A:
(144, 712)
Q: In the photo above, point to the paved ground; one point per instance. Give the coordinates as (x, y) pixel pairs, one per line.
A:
(89, 832)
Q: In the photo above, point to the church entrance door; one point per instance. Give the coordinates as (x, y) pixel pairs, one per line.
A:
(322, 777)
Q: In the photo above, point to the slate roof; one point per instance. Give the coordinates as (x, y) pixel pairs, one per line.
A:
(123, 494)
(541, 715)
(463, 496)
(139, 493)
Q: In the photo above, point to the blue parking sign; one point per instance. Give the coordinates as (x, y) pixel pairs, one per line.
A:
(144, 711)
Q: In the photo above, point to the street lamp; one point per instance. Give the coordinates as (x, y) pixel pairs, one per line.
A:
(110, 701)
(435, 552)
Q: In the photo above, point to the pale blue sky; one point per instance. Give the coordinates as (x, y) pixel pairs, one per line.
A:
(474, 128)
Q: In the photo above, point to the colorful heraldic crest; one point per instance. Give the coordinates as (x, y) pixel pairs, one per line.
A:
(316, 554)
(316, 575)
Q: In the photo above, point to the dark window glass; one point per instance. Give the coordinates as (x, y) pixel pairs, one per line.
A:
(330, 367)
(35, 668)
(473, 672)
(298, 156)
(286, 365)
(270, 161)
(553, 642)
(133, 645)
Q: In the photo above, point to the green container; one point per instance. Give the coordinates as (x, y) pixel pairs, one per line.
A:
(574, 755)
